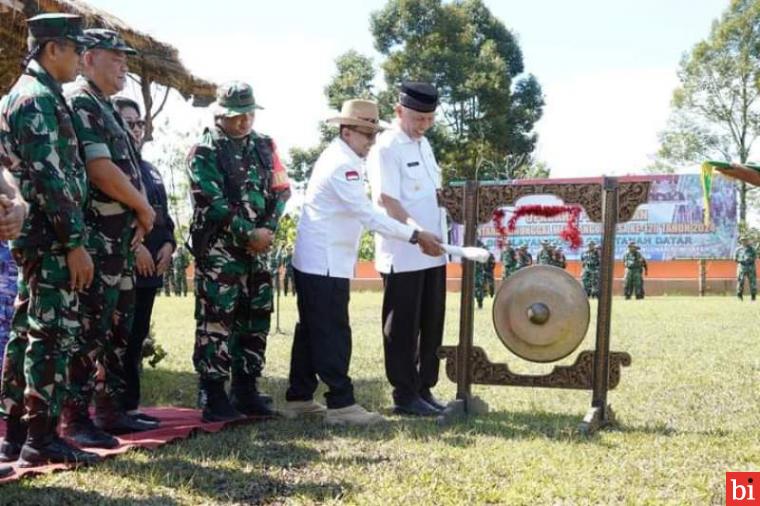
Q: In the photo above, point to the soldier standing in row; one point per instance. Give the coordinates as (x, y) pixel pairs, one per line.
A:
(508, 260)
(288, 281)
(490, 281)
(181, 263)
(590, 265)
(480, 282)
(745, 257)
(635, 269)
(239, 189)
(560, 260)
(118, 216)
(40, 147)
(524, 258)
(546, 255)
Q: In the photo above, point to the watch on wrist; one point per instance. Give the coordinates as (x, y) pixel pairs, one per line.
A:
(415, 237)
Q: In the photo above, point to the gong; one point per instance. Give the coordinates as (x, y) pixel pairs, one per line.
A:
(541, 313)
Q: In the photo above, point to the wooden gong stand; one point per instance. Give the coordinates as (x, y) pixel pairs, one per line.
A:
(607, 200)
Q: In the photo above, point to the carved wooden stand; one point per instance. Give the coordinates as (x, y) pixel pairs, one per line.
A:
(607, 200)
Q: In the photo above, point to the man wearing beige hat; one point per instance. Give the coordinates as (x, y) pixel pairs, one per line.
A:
(335, 211)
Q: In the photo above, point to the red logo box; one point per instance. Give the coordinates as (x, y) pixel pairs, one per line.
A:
(743, 489)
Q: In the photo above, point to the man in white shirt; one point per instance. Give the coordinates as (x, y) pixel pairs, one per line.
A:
(405, 177)
(335, 211)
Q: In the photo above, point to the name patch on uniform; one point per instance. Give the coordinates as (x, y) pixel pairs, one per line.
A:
(352, 175)
(412, 164)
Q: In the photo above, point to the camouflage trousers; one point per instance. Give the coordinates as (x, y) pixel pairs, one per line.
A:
(168, 282)
(233, 308)
(44, 328)
(180, 283)
(97, 362)
(633, 283)
(288, 283)
(750, 275)
(479, 292)
(490, 286)
(590, 280)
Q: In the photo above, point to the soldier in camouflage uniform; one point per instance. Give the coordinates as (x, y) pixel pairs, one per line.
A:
(546, 255)
(287, 261)
(275, 262)
(181, 263)
(118, 216)
(239, 189)
(590, 270)
(560, 260)
(524, 258)
(490, 281)
(169, 279)
(745, 257)
(41, 150)
(480, 282)
(508, 260)
(635, 269)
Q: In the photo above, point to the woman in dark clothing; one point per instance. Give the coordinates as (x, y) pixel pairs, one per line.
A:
(153, 257)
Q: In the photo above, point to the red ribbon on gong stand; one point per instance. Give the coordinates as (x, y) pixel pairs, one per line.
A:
(570, 234)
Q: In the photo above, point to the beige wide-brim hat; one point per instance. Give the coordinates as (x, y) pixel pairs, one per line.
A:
(362, 113)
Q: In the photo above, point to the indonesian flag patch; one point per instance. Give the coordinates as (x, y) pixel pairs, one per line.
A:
(352, 175)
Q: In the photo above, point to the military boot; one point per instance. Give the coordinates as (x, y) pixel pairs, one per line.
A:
(15, 436)
(740, 296)
(43, 446)
(245, 397)
(753, 296)
(215, 404)
(78, 427)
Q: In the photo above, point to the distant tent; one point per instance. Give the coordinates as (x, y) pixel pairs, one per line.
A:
(157, 62)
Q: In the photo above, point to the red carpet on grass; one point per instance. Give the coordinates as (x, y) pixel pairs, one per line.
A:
(176, 423)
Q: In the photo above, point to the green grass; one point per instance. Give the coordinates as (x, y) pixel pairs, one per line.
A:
(688, 410)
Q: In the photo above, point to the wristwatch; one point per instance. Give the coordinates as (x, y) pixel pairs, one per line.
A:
(415, 237)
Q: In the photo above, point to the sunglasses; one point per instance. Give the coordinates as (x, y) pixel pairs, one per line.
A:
(137, 123)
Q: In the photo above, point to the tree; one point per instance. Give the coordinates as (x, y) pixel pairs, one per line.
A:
(716, 112)
(488, 107)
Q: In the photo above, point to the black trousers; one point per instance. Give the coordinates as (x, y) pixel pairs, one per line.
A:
(144, 298)
(322, 340)
(414, 308)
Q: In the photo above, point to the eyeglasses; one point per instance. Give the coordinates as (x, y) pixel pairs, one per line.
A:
(137, 123)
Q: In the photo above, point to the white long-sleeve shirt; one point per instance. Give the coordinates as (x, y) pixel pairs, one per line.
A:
(335, 211)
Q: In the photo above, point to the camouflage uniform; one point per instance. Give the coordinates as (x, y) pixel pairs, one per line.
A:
(108, 304)
(275, 261)
(560, 260)
(745, 257)
(8, 282)
(490, 282)
(524, 258)
(480, 282)
(40, 146)
(237, 185)
(508, 261)
(288, 283)
(169, 279)
(635, 266)
(546, 255)
(590, 271)
(181, 263)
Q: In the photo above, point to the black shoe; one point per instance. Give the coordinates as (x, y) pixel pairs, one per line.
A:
(15, 437)
(5, 471)
(145, 418)
(84, 433)
(245, 398)
(430, 399)
(122, 423)
(415, 407)
(54, 450)
(753, 296)
(216, 405)
(741, 297)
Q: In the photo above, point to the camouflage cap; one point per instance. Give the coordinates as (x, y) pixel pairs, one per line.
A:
(56, 25)
(234, 98)
(108, 39)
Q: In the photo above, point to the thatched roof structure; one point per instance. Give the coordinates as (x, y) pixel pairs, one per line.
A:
(157, 62)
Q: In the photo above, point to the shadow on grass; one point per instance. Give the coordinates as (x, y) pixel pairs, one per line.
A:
(16, 493)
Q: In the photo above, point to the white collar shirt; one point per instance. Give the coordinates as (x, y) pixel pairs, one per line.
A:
(335, 211)
(405, 169)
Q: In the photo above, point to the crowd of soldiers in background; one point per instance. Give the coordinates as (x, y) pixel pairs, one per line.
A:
(281, 267)
(175, 277)
(513, 259)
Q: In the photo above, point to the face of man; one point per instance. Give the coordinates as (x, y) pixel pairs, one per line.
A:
(414, 123)
(359, 139)
(62, 59)
(108, 69)
(238, 126)
(134, 122)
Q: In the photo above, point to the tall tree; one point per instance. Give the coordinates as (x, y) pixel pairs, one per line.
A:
(488, 105)
(716, 112)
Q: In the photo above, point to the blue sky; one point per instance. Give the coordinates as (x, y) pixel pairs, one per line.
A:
(608, 68)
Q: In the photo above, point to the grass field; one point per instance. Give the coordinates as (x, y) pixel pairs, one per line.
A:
(688, 410)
